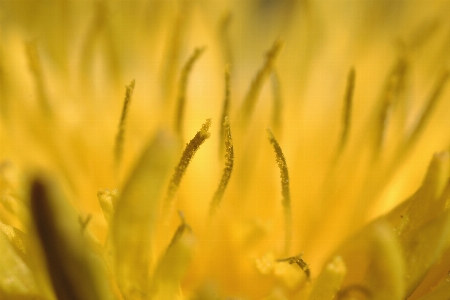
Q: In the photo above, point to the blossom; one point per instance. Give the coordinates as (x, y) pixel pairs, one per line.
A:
(302, 144)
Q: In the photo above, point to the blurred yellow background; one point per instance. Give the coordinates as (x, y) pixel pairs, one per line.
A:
(63, 70)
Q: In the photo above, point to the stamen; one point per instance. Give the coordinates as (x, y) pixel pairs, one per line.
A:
(180, 230)
(430, 104)
(36, 69)
(224, 25)
(300, 262)
(118, 149)
(347, 112)
(225, 109)
(257, 83)
(100, 33)
(277, 101)
(392, 89)
(172, 52)
(188, 154)
(229, 161)
(179, 117)
(281, 162)
(423, 33)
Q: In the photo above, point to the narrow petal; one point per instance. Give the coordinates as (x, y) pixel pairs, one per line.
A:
(375, 263)
(422, 223)
(440, 292)
(75, 272)
(16, 279)
(329, 281)
(136, 215)
(173, 264)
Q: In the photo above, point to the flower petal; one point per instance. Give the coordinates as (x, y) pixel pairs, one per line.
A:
(136, 215)
(421, 223)
(16, 278)
(375, 263)
(440, 292)
(75, 272)
(329, 281)
(172, 266)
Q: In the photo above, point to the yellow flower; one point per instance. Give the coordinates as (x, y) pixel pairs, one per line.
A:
(293, 188)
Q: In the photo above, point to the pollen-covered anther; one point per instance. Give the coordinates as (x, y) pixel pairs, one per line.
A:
(299, 261)
(186, 157)
(285, 190)
(229, 162)
(120, 137)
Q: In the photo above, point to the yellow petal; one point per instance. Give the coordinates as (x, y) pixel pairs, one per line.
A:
(442, 291)
(172, 267)
(428, 202)
(374, 261)
(15, 237)
(75, 272)
(136, 215)
(423, 249)
(421, 223)
(330, 279)
(16, 278)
